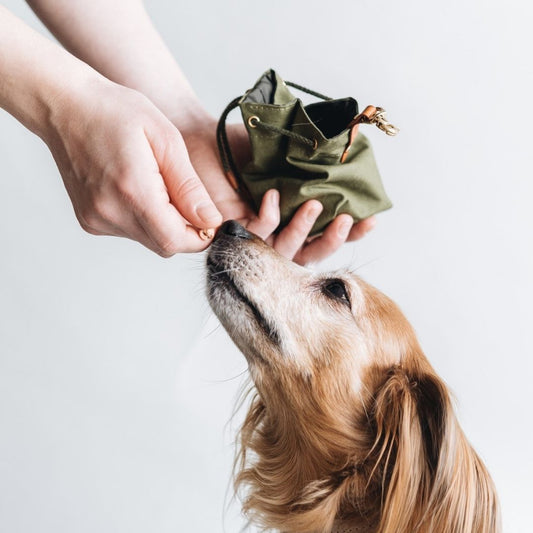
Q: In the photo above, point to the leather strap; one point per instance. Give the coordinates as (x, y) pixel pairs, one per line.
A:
(363, 117)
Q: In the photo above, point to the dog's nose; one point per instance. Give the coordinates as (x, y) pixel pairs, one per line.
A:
(233, 228)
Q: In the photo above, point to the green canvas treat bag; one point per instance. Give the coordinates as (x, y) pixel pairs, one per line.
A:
(306, 151)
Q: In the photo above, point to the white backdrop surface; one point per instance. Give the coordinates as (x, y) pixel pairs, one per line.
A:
(117, 385)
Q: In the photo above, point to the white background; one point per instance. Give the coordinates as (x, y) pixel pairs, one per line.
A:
(116, 385)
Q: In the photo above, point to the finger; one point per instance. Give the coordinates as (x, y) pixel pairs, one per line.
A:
(119, 226)
(93, 231)
(294, 235)
(171, 234)
(167, 229)
(266, 222)
(360, 229)
(333, 237)
(136, 232)
(185, 188)
(97, 225)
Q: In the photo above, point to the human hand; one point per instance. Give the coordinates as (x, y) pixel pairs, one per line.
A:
(127, 171)
(293, 241)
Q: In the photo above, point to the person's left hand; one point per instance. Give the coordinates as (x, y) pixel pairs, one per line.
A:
(292, 241)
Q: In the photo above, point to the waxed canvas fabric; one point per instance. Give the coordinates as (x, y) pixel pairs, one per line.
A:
(301, 172)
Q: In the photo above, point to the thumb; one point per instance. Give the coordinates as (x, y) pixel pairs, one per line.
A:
(185, 189)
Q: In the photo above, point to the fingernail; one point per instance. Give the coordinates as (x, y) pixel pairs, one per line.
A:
(274, 197)
(208, 213)
(345, 228)
(313, 212)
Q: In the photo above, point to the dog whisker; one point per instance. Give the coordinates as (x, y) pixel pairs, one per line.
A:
(232, 378)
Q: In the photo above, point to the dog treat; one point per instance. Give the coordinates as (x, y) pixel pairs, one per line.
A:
(207, 234)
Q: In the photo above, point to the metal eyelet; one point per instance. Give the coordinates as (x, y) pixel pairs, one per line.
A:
(315, 144)
(253, 120)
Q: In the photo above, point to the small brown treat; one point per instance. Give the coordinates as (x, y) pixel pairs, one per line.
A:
(207, 234)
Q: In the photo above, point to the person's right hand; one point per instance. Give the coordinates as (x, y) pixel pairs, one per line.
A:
(127, 170)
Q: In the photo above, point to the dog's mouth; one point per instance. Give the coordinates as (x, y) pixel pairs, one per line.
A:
(220, 276)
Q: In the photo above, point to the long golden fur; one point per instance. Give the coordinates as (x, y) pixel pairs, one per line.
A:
(350, 429)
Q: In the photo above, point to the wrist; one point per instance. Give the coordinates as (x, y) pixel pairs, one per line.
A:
(142, 61)
(35, 74)
(69, 110)
(61, 102)
(186, 112)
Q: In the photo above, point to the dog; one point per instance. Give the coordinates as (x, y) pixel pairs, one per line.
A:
(350, 428)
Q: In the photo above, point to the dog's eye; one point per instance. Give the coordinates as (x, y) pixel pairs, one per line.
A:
(337, 290)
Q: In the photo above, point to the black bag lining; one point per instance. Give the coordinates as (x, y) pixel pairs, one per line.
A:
(333, 116)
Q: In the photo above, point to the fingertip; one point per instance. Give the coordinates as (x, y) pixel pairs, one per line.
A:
(369, 223)
(208, 214)
(344, 225)
(362, 228)
(273, 197)
(191, 241)
(314, 204)
(268, 217)
(313, 208)
(169, 231)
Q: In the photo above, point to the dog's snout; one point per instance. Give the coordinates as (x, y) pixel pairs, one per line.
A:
(233, 228)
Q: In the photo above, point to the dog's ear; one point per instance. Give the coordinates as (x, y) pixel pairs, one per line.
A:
(432, 480)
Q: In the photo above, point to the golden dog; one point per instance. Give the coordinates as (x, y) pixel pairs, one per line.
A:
(350, 429)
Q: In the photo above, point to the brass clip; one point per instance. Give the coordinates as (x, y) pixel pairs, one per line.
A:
(370, 115)
(375, 115)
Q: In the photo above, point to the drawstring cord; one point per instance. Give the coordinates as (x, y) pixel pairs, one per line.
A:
(308, 91)
(228, 162)
(255, 122)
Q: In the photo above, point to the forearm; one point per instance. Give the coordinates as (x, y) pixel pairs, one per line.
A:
(118, 39)
(34, 72)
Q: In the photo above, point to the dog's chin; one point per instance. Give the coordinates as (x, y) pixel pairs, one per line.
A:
(239, 314)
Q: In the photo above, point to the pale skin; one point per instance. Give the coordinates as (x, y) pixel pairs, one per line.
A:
(135, 148)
